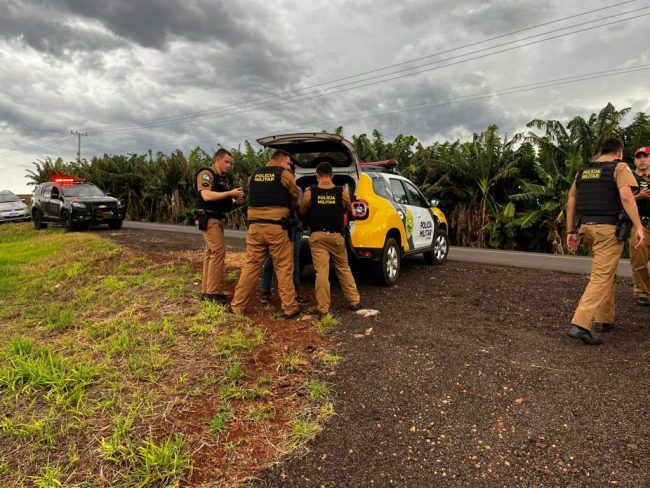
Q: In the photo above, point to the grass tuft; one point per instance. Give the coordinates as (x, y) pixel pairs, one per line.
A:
(301, 431)
(327, 323)
(319, 390)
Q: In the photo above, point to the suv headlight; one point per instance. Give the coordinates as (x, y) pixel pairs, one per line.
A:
(78, 205)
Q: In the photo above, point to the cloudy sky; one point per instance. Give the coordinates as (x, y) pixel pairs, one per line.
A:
(165, 74)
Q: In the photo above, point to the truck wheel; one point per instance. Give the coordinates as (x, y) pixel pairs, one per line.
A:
(37, 220)
(389, 263)
(115, 224)
(440, 251)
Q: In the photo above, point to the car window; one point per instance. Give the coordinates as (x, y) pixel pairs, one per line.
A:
(399, 194)
(379, 185)
(415, 196)
(312, 159)
(55, 192)
(44, 191)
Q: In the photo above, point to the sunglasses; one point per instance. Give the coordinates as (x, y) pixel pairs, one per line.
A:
(641, 155)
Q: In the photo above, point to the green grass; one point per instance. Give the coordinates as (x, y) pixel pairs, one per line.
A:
(28, 369)
(319, 390)
(330, 359)
(238, 339)
(100, 348)
(42, 432)
(234, 372)
(51, 477)
(231, 391)
(301, 431)
(260, 413)
(218, 423)
(327, 323)
(291, 362)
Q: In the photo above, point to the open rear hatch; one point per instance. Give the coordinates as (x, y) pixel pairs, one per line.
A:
(308, 149)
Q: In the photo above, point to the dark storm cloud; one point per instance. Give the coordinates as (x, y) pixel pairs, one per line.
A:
(53, 25)
(48, 30)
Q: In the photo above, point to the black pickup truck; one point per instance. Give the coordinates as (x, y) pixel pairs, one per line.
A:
(75, 204)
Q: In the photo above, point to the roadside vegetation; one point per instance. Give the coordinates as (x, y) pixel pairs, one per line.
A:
(498, 191)
(112, 373)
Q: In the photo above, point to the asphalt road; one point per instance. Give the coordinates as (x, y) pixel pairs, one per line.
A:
(517, 259)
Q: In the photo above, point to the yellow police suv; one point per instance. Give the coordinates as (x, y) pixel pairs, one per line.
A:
(391, 217)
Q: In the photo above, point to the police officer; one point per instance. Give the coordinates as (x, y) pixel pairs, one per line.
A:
(273, 194)
(325, 206)
(214, 199)
(601, 190)
(639, 256)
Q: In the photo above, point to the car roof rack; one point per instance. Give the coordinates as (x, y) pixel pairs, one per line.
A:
(386, 166)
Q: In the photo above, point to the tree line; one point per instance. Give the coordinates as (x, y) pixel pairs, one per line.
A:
(497, 191)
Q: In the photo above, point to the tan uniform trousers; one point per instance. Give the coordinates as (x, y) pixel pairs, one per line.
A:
(639, 264)
(215, 257)
(323, 245)
(598, 301)
(261, 240)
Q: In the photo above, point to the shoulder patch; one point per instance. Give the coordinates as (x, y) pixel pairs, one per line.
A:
(206, 177)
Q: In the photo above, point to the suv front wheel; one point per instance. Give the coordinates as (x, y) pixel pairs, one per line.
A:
(389, 263)
(37, 220)
(115, 224)
(66, 219)
(440, 250)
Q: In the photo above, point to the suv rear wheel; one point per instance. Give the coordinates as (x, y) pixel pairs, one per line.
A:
(389, 263)
(37, 219)
(440, 249)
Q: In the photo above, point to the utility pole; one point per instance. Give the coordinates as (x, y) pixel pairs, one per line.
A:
(78, 134)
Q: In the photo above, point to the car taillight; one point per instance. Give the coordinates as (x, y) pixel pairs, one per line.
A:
(360, 210)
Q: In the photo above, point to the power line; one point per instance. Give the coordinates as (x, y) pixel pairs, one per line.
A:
(404, 75)
(39, 143)
(235, 106)
(462, 99)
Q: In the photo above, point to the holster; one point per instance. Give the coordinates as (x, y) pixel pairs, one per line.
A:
(623, 227)
(203, 220)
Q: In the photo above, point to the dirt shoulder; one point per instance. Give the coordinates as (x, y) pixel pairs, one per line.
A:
(468, 377)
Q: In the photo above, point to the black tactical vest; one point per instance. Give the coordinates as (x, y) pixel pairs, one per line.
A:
(220, 184)
(266, 188)
(598, 194)
(326, 209)
(643, 205)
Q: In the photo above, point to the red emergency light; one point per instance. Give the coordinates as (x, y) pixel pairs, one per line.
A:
(67, 180)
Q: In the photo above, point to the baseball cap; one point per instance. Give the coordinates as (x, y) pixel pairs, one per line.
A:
(645, 149)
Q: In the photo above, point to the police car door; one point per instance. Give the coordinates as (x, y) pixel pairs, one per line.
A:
(424, 223)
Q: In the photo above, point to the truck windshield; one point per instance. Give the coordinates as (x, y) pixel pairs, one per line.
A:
(82, 191)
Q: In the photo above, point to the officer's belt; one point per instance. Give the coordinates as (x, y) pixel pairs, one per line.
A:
(267, 221)
(329, 231)
(599, 219)
(209, 213)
